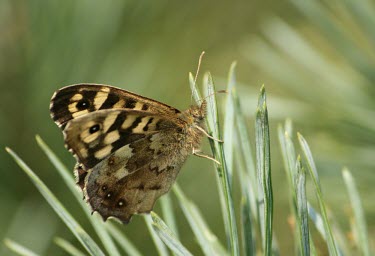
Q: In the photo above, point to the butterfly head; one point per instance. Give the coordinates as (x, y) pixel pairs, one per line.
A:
(197, 113)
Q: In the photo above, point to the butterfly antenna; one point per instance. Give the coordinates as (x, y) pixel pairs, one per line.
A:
(196, 74)
(212, 94)
(196, 77)
(199, 66)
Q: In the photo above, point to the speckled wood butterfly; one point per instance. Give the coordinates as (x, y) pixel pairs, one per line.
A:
(129, 148)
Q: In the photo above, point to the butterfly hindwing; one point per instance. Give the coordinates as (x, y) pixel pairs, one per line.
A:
(76, 100)
(131, 179)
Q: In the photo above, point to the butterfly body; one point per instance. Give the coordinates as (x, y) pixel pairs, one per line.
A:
(129, 148)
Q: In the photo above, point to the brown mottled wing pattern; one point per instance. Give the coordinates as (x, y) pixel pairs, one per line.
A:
(132, 178)
(126, 156)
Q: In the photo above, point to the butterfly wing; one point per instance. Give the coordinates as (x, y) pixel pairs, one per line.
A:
(76, 100)
(130, 180)
(94, 136)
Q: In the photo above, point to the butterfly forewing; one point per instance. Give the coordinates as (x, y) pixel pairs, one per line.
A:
(94, 136)
(76, 100)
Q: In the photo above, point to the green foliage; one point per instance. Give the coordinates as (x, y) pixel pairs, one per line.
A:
(167, 236)
(359, 227)
(265, 196)
(70, 222)
(19, 249)
(68, 247)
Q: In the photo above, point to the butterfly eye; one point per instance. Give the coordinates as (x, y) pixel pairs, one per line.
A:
(121, 203)
(94, 128)
(82, 104)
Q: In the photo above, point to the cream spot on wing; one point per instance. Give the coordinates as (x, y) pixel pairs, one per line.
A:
(76, 97)
(155, 144)
(72, 107)
(83, 152)
(119, 104)
(121, 173)
(141, 125)
(128, 122)
(89, 138)
(155, 141)
(79, 113)
(100, 154)
(109, 120)
(89, 124)
(124, 153)
(99, 99)
(138, 106)
(155, 137)
(111, 137)
(105, 89)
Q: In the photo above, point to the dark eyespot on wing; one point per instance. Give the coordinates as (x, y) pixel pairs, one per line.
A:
(83, 104)
(94, 128)
(87, 101)
(122, 203)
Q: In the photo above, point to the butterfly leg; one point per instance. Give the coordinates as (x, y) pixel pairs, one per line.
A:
(209, 136)
(196, 153)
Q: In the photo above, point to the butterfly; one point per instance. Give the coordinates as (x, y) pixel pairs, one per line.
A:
(129, 148)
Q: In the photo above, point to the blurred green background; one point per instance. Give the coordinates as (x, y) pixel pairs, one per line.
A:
(316, 58)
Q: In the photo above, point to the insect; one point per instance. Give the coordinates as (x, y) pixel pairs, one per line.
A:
(129, 148)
